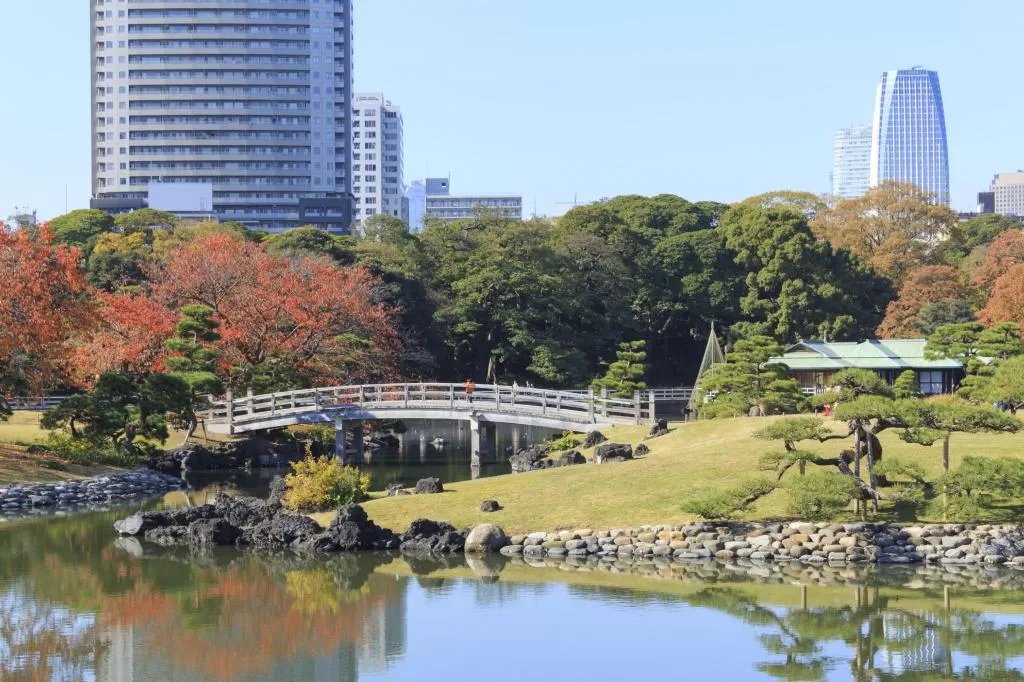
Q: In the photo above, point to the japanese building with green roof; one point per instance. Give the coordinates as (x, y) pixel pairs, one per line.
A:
(814, 362)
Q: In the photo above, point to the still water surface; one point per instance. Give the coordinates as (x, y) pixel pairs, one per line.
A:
(76, 603)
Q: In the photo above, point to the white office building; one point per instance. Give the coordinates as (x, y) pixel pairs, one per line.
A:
(251, 97)
(377, 157)
(442, 204)
(851, 161)
(1008, 193)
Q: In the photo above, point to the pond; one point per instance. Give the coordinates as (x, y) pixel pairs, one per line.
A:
(427, 448)
(76, 603)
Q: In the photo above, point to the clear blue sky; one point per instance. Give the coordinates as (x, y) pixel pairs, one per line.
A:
(597, 97)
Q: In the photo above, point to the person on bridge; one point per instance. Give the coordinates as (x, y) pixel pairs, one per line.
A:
(469, 387)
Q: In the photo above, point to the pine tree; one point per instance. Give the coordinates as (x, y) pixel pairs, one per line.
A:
(193, 360)
(906, 385)
(626, 375)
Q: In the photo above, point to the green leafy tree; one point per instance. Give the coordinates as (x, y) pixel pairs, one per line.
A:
(311, 242)
(121, 409)
(906, 385)
(192, 360)
(936, 315)
(80, 227)
(145, 219)
(626, 374)
(964, 237)
(979, 350)
(796, 285)
(115, 270)
(1006, 385)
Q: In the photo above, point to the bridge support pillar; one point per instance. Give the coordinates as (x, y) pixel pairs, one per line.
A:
(343, 453)
(483, 440)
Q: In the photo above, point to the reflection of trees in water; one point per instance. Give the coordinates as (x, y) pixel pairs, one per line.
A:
(886, 641)
(218, 616)
(40, 640)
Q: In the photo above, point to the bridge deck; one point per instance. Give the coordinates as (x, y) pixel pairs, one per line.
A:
(511, 404)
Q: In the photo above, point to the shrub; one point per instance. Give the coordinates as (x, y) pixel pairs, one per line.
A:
(723, 504)
(724, 406)
(323, 483)
(820, 496)
(567, 441)
(87, 451)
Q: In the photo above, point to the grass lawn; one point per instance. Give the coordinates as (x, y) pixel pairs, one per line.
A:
(694, 458)
(17, 466)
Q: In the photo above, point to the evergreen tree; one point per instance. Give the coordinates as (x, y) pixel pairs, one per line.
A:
(193, 360)
(626, 374)
(906, 385)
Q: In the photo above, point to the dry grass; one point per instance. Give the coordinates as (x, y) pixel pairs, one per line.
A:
(694, 458)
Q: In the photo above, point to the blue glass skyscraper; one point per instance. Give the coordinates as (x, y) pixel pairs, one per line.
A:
(908, 133)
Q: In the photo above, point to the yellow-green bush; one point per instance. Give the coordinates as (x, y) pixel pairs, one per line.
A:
(318, 483)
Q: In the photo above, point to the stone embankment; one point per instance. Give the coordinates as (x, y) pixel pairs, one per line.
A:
(807, 543)
(99, 491)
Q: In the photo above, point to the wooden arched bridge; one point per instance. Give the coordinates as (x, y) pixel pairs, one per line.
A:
(489, 404)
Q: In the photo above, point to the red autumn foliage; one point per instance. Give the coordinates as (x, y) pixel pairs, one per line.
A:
(130, 337)
(924, 285)
(43, 301)
(314, 314)
(1006, 304)
(1003, 253)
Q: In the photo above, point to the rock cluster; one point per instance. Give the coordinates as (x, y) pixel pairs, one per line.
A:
(428, 486)
(593, 438)
(659, 429)
(490, 506)
(96, 491)
(248, 454)
(808, 543)
(537, 457)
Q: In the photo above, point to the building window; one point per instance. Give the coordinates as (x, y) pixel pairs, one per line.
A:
(930, 383)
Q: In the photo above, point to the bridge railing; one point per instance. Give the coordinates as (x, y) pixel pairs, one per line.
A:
(40, 403)
(583, 407)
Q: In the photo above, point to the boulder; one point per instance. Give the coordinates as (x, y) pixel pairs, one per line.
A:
(167, 535)
(641, 450)
(659, 429)
(351, 530)
(593, 439)
(612, 452)
(282, 531)
(428, 486)
(570, 458)
(136, 524)
(490, 506)
(425, 536)
(278, 488)
(195, 457)
(485, 537)
(212, 532)
(528, 459)
(243, 511)
(395, 489)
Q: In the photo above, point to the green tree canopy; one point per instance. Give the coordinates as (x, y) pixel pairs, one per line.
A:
(626, 374)
(143, 219)
(80, 227)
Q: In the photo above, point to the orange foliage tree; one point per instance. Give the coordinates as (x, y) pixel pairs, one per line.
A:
(1006, 304)
(924, 285)
(44, 300)
(894, 227)
(1006, 251)
(313, 316)
(129, 338)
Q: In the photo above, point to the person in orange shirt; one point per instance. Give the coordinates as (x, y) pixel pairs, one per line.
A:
(469, 387)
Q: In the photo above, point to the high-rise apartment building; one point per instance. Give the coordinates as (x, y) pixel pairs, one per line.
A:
(1008, 193)
(250, 98)
(377, 157)
(851, 161)
(908, 132)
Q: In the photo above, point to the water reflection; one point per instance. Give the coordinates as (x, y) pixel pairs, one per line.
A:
(77, 604)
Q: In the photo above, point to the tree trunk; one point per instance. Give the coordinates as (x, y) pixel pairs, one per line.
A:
(190, 430)
(856, 466)
(71, 425)
(945, 454)
(871, 473)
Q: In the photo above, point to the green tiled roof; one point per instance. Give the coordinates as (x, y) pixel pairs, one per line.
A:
(877, 354)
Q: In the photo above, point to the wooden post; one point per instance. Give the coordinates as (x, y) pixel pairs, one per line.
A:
(650, 398)
(209, 413)
(604, 402)
(316, 399)
(590, 404)
(360, 395)
(273, 404)
(543, 402)
(451, 396)
(558, 403)
(405, 394)
(636, 407)
(248, 401)
(497, 397)
(230, 404)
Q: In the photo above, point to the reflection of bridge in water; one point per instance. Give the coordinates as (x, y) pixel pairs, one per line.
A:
(489, 404)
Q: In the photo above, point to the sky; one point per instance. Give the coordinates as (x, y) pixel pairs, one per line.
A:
(575, 100)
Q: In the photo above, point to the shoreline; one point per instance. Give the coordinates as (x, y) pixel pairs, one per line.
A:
(26, 500)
